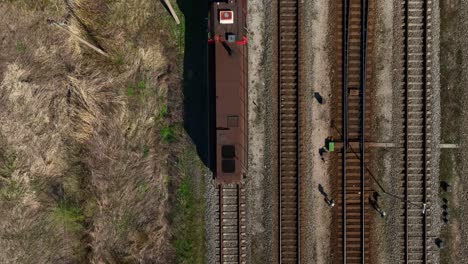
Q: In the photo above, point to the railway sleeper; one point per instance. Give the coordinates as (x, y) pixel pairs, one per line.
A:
(288, 173)
(353, 243)
(225, 229)
(289, 224)
(230, 243)
(288, 192)
(289, 166)
(287, 26)
(232, 260)
(289, 237)
(289, 259)
(288, 9)
(288, 230)
(230, 215)
(289, 209)
(230, 236)
(230, 194)
(230, 252)
(288, 2)
(229, 208)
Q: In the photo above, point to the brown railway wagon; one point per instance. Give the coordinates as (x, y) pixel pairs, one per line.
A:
(228, 47)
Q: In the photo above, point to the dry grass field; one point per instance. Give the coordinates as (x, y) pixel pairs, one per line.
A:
(93, 157)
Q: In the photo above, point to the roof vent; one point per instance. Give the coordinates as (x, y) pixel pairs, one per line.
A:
(226, 17)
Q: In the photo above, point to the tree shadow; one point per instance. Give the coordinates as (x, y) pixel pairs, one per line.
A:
(199, 96)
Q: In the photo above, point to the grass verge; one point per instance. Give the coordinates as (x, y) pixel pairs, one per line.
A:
(189, 213)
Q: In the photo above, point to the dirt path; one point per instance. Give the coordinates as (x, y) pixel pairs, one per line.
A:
(316, 214)
(454, 119)
(386, 128)
(259, 179)
(435, 108)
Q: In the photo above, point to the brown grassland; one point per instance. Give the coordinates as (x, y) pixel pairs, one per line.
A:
(93, 156)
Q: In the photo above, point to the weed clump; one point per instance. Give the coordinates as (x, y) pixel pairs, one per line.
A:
(20, 47)
(7, 165)
(68, 216)
(167, 134)
(11, 190)
(164, 112)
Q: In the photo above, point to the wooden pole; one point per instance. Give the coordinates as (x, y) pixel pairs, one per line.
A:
(171, 10)
(98, 50)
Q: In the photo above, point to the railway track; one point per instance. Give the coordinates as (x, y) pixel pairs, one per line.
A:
(416, 133)
(232, 229)
(353, 211)
(288, 77)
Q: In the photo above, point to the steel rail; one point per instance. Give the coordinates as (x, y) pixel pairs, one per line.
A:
(220, 205)
(280, 189)
(346, 9)
(298, 200)
(406, 74)
(282, 118)
(239, 223)
(425, 94)
(424, 127)
(363, 76)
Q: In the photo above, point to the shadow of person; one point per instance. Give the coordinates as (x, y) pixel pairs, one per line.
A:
(373, 203)
(322, 151)
(319, 98)
(376, 196)
(199, 97)
(321, 190)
